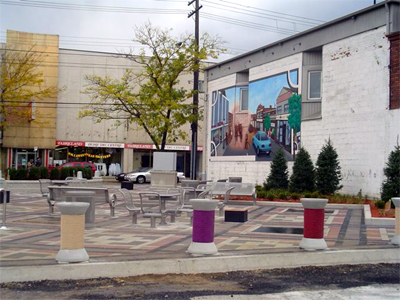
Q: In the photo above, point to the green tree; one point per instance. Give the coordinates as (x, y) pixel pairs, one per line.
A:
(303, 176)
(294, 118)
(278, 178)
(267, 122)
(391, 186)
(328, 175)
(21, 83)
(151, 97)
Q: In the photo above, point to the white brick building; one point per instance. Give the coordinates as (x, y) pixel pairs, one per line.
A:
(345, 71)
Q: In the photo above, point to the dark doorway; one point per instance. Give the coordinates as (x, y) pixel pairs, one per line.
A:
(145, 163)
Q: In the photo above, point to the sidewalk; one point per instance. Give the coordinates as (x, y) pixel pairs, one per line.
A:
(273, 232)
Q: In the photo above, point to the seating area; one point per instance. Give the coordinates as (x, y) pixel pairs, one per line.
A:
(244, 227)
(153, 203)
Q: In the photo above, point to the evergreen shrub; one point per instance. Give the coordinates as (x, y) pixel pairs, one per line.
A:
(328, 174)
(391, 185)
(55, 174)
(303, 176)
(34, 173)
(44, 173)
(278, 178)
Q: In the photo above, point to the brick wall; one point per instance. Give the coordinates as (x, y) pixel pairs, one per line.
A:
(394, 70)
(355, 110)
(355, 115)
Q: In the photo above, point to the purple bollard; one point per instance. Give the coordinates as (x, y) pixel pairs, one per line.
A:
(203, 227)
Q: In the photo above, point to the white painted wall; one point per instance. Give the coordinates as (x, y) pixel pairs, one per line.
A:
(355, 113)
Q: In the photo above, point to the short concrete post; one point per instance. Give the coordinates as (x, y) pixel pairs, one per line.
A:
(314, 213)
(396, 238)
(72, 232)
(112, 203)
(79, 175)
(203, 227)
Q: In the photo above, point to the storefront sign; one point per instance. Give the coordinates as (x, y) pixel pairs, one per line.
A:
(139, 146)
(153, 147)
(122, 145)
(70, 144)
(104, 145)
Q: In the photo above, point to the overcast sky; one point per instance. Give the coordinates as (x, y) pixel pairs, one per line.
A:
(101, 25)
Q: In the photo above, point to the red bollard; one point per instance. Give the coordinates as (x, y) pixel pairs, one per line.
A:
(314, 213)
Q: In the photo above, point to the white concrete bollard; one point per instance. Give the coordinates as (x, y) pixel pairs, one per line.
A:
(72, 232)
(396, 238)
(79, 175)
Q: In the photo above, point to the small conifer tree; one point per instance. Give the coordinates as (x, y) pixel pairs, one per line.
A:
(278, 178)
(303, 177)
(391, 186)
(328, 174)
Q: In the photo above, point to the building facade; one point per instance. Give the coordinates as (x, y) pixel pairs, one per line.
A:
(69, 138)
(347, 74)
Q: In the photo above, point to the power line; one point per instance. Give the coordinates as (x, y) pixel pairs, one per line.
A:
(271, 11)
(98, 8)
(95, 53)
(248, 24)
(263, 15)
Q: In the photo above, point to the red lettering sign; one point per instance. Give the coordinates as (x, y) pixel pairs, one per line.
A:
(70, 144)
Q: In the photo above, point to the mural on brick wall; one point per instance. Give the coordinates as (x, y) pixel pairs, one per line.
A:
(257, 119)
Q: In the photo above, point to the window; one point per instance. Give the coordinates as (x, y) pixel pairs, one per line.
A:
(286, 108)
(279, 110)
(244, 99)
(314, 85)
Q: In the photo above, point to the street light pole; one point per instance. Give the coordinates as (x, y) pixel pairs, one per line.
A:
(193, 152)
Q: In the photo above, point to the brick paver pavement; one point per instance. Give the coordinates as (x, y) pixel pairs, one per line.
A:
(33, 236)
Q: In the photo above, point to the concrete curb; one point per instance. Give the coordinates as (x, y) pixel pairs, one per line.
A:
(212, 264)
(369, 220)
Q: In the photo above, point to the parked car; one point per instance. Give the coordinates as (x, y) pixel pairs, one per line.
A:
(121, 176)
(83, 164)
(143, 175)
(262, 143)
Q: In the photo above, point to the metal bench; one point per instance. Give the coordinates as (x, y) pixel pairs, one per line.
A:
(150, 205)
(129, 205)
(44, 183)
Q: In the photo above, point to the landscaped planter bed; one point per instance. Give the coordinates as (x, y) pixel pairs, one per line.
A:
(375, 212)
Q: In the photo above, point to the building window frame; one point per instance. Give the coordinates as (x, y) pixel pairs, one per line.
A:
(244, 105)
(286, 108)
(320, 84)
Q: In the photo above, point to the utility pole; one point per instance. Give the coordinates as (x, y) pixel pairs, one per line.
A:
(193, 152)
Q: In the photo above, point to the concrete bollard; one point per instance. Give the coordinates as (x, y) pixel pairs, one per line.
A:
(314, 213)
(79, 175)
(72, 232)
(203, 227)
(396, 238)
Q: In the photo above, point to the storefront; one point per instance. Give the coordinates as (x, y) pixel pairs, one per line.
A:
(125, 157)
(18, 158)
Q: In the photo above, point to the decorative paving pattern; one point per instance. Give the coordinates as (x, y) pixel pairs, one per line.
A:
(33, 235)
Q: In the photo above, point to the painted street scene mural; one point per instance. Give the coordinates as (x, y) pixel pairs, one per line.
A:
(257, 119)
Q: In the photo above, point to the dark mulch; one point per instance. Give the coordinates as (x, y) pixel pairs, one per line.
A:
(185, 286)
